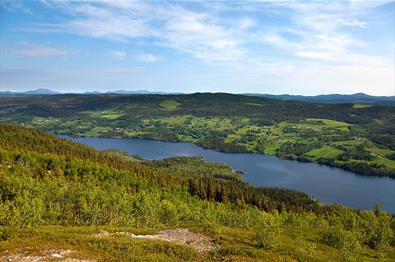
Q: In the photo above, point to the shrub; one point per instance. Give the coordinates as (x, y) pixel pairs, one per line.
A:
(3, 233)
(375, 229)
(350, 248)
(168, 213)
(304, 250)
(346, 242)
(267, 237)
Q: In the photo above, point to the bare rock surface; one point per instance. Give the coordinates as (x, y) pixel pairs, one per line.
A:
(199, 242)
(48, 255)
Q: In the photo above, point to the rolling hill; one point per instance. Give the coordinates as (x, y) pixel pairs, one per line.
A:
(356, 137)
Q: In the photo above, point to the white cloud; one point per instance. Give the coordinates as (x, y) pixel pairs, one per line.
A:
(148, 58)
(356, 23)
(11, 5)
(246, 22)
(207, 36)
(361, 5)
(119, 54)
(315, 55)
(198, 33)
(322, 35)
(314, 36)
(30, 49)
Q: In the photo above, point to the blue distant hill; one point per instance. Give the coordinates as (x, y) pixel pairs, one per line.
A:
(358, 98)
(40, 91)
(334, 98)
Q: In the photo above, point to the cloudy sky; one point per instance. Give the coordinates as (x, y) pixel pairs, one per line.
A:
(295, 47)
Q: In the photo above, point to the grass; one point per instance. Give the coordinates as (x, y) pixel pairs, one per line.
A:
(292, 243)
(358, 106)
(348, 143)
(325, 152)
(380, 151)
(271, 148)
(109, 114)
(87, 246)
(325, 123)
(384, 161)
(170, 104)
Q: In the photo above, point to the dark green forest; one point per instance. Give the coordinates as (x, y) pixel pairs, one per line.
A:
(355, 137)
(47, 182)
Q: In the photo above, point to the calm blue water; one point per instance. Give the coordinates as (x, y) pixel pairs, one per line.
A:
(329, 185)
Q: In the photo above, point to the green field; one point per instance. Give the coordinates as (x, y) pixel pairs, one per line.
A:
(361, 106)
(325, 152)
(169, 104)
(335, 135)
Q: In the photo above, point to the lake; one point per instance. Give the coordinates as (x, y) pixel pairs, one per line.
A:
(328, 184)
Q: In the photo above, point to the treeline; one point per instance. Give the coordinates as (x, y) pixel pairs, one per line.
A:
(241, 194)
(217, 143)
(367, 169)
(20, 142)
(291, 150)
(356, 153)
(196, 167)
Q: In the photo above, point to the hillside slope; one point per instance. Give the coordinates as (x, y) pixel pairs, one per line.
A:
(356, 137)
(57, 197)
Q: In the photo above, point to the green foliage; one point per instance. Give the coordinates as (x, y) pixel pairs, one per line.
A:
(170, 104)
(290, 150)
(4, 235)
(358, 153)
(376, 229)
(305, 250)
(334, 237)
(230, 123)
(46, 180)
(350, 248)
(347, 242)
(73, 184)
(391, 156)
(267, 237)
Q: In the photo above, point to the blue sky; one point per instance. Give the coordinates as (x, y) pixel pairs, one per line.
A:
(295, 47)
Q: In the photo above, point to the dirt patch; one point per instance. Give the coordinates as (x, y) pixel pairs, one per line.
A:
(199, 242)
(48, 255)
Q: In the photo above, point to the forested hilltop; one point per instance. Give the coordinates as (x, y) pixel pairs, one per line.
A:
(87, 204)
(356, 137)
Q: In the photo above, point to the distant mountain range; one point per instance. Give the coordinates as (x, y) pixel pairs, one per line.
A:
(42, 91)
(360, 98)
(131, 92)
(332, 98)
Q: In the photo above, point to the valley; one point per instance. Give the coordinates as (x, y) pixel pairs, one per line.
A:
(353, 137)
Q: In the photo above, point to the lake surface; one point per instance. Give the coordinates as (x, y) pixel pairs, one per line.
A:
(328, 184)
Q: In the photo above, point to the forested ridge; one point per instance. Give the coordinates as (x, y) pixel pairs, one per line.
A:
(61, 156)
(47, 181)
(356, 137)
